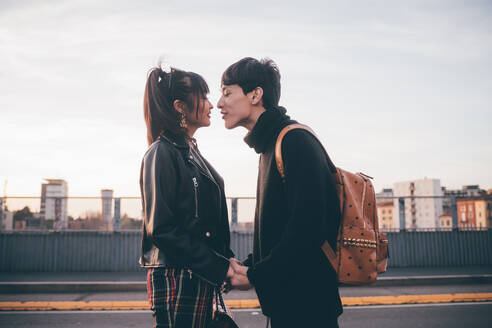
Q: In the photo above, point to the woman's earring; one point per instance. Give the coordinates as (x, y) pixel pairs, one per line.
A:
(182, 123)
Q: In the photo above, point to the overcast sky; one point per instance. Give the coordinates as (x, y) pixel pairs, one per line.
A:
(399, 90)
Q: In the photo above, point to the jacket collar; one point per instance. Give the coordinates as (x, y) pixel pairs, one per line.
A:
(183, 146)
(174, 139)
(266, 128)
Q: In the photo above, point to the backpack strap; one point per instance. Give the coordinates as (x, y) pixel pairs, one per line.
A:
(278, 145)
(327, 249)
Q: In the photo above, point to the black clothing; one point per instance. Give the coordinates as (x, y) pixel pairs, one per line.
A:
(288, 268)
(306, 319)
(185, 218)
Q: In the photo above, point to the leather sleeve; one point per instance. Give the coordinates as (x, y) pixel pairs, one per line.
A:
(160, 190)
(311, 198)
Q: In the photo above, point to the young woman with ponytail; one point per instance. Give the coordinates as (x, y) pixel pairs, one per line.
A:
(185, 241)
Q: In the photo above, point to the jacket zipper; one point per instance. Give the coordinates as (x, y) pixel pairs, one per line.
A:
(211, 180)
(195, 186)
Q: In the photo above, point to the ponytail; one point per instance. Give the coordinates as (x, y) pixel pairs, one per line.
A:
(159, 113)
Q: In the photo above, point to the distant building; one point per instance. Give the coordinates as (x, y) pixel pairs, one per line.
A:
(385, 210)
(54, 196)
(20, 225)
(483, 211)
(7, 221)
(34, 222)
(107, 208)
(473, 190)
(386, 192)
(475, 211)
(465, 191)
(445, 221)
(244, 226)
(419, 212)
(106, 203)
(1, 213)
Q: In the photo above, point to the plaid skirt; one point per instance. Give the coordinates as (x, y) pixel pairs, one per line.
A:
(178, 298)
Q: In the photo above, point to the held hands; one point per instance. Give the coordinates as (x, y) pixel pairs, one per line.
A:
(237, 277)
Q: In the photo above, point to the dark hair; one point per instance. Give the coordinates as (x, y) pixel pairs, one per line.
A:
(161, 90)
(250, 73)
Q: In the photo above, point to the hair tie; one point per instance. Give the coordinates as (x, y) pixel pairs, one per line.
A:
(163, 75)
(165, 78)
(168, 77)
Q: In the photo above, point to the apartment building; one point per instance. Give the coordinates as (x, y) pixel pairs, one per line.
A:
(54, 197)
(424, 210)
(475, 211)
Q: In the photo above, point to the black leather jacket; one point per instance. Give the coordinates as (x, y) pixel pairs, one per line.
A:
(185, 218)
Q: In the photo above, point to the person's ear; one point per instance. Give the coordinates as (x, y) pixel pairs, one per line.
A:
(179, 106)
(257, 96)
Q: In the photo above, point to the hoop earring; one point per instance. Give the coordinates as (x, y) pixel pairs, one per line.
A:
(183, 123)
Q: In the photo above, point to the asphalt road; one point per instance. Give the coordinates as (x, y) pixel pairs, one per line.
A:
(436, 315)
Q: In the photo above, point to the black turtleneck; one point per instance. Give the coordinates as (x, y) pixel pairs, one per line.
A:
(268, 125)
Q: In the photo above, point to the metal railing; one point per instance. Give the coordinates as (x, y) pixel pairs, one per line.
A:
(70, 213)
(89, 213)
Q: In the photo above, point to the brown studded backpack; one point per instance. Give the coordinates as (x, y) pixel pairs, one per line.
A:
(362, 251)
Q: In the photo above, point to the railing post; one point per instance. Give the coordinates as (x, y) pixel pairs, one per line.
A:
(234, 212)
(454, 213)
(1, 213)
(116, 217)
(401, 213)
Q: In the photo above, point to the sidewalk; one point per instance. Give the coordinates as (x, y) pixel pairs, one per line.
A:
(75, 282)
(127, 290)
(392, 273)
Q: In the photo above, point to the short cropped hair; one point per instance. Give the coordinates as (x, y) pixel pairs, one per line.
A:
(250, 73)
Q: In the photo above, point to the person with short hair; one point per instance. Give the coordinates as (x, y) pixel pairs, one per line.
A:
(295, 282)
(185, 241)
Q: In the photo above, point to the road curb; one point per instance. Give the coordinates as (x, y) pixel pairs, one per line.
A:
(140, 286)
(433, 280)
(243, 304)
(71, 287)
(417, 299)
